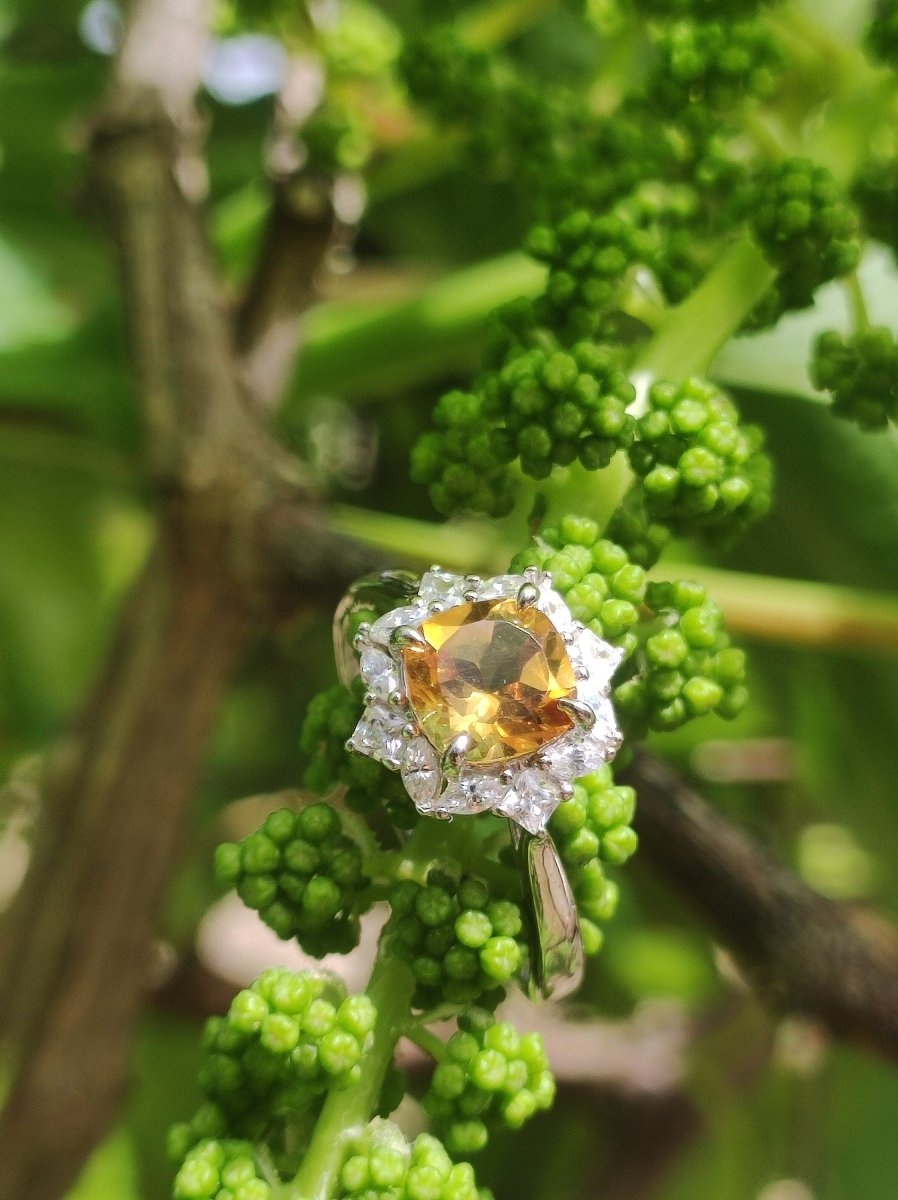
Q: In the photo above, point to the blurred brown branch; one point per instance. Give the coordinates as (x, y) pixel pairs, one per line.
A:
(76, 944)
(802, 952)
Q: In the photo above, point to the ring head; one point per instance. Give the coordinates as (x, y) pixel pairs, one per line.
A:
(503, 698)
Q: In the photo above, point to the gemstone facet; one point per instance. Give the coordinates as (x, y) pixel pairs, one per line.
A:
(494, 671)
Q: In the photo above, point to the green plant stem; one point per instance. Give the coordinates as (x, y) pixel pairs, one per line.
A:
(345, 1110)
(417, 1032)
(790, 611)
(795, 611)
(354, 347)
(458, 545)
(694, 332)
(390, 988)
(858, 304)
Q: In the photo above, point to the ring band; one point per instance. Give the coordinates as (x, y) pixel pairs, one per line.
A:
(487, 695)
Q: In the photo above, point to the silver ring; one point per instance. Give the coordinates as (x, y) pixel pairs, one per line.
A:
(487, 696)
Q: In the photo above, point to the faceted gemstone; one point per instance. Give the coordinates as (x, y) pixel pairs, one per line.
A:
(421, 772)
(535, 797)
(379, 672)
(492, 670)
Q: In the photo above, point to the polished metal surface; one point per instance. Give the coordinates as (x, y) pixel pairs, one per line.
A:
(375, 594)
(556, 948)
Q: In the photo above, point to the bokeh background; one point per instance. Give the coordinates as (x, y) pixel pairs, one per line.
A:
(675, 1084)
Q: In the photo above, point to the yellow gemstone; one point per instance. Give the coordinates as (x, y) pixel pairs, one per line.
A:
(495, 671)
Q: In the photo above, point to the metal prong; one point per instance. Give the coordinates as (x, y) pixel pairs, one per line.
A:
(409, 731)
(567, 790)
(398, 698)
(407, 637)
(568, 639)
(436, 606)
(581, 674)
(506, 776)
(369, 697)
(362, 636)
(454, 755)
(528, 594)
(473, 581)
(435, 567)
(581, 713)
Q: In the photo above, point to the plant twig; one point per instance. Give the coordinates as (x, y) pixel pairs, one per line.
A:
(300, 229)
(804, 953)
(74, 969)
(795, 612)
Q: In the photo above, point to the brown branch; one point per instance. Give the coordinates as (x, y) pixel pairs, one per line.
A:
(805, 954)
(298, 234)
(300, 230)
(77, 943)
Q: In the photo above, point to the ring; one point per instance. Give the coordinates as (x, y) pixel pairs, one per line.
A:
(487, 696)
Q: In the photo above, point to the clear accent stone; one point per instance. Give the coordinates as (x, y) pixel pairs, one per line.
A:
(569, 758)
(500, 585)
(555, 608)
(459, 800)
(379, 735)
(600, 659)
(440, 585)
(535, 796)
(421, 772)
(606, 730)
(379, 673)
(487, 787)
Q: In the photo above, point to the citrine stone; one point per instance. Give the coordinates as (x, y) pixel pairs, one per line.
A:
(495, 671)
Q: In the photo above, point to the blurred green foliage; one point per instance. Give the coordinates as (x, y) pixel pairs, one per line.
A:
(76, 520)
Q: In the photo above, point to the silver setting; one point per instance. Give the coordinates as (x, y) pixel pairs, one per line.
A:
(527, 790)
(579, 711)
(528, 594)
(453, 761)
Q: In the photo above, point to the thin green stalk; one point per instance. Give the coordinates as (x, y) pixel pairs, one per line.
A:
(696, 330)
(797, 612)
(465, 545)
(356, 347)
(417, 1032)
(857, 302)
(790, 611)
(345, 1110)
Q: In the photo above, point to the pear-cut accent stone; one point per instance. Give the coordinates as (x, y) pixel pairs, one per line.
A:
(379, 672)
(494, 671)
(535, 796)
(379, 735)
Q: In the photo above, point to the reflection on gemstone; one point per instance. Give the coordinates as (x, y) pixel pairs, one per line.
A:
(494, 671)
